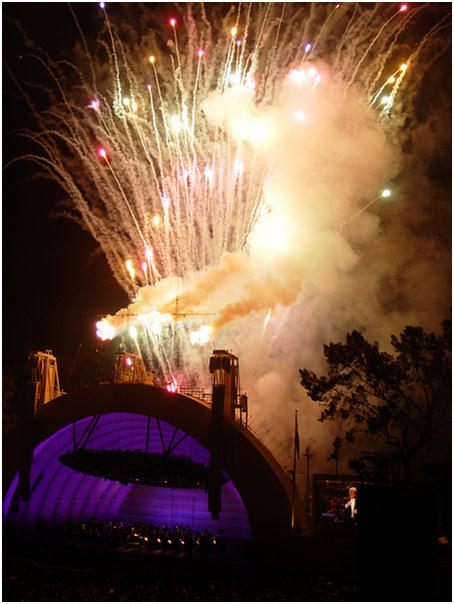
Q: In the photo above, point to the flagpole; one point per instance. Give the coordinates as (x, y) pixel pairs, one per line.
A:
(294, 472)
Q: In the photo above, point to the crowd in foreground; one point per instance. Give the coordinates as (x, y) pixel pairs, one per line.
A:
(86, 561)
(29, 583)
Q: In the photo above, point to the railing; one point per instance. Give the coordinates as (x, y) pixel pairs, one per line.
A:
(200, 393)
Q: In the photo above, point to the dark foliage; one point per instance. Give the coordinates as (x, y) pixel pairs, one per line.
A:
(404, 399)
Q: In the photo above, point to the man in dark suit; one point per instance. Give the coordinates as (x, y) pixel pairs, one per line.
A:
(351, 507)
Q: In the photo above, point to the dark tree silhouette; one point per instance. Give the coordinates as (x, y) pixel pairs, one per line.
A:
(404, 399)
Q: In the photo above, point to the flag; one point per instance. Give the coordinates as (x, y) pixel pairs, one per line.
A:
(297, 438)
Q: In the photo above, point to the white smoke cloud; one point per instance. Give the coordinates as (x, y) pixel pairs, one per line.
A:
(326, 158)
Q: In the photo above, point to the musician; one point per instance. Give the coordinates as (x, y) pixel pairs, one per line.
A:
(351, 507)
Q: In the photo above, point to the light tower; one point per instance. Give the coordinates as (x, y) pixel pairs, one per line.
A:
(225, 401)
(225, 372)
(130, 369)
(44, 377)
(43, 387)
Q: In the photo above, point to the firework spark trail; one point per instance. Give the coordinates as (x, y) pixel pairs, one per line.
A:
(194, 138)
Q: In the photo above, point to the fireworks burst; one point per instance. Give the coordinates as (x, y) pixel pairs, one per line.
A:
(213, 159)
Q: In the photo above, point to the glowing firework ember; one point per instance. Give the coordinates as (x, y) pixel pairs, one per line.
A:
(104, 330)
(202, 336)
(229, 150)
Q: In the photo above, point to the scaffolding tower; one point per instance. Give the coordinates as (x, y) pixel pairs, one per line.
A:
(44, 377)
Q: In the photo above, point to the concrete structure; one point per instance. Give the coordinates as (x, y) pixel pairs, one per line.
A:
(262, 484)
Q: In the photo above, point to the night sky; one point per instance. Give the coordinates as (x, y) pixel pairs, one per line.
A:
(56, 281)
